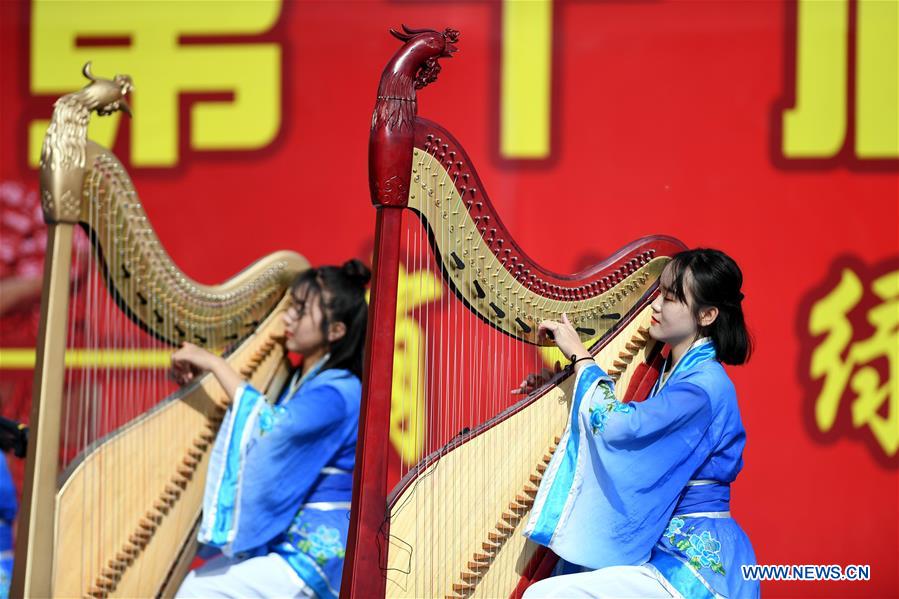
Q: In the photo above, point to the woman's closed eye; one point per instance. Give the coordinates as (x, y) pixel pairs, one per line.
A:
(298, 307)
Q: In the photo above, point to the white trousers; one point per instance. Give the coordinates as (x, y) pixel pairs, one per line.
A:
(268, 576)
(614, 582)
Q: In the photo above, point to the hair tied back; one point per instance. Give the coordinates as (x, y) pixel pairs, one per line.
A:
(356, 271)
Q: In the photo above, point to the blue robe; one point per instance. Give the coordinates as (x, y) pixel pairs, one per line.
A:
(280, 476)
(650, 481)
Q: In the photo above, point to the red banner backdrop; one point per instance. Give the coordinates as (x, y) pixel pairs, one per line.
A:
(766, 129)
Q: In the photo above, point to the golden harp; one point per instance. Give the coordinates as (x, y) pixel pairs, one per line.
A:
(116, 464)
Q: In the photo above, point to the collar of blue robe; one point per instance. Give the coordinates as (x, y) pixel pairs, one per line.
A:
(701, 351)
(296, 381)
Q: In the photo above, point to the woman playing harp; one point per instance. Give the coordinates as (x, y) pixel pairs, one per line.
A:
(117, 458)
(640, 494)
(280, 478)
(451, 526)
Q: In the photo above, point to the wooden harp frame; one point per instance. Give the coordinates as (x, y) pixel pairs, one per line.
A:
(240, 316)
(605, 301)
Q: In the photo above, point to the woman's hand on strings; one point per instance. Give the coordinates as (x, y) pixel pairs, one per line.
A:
(563, 335)
(566, 339)
(190, 362)
(536, 380)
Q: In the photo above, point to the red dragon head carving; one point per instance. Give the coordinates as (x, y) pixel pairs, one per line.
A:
(424, 47)
(412, 67)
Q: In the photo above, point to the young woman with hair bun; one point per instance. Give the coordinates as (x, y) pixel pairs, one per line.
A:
(277, 500)
(636, 501)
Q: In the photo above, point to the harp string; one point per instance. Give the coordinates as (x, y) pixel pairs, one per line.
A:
(109, 380)
(466, 379)
(423, 421)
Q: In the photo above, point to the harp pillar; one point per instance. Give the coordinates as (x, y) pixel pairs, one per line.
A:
(369, 522)
(31, 575)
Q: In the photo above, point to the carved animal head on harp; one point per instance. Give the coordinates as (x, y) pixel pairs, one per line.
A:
(412, 67)
(106, 96)
(423, 49)
(66, 139)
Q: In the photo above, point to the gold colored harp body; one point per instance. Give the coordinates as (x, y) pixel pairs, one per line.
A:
(119, 520)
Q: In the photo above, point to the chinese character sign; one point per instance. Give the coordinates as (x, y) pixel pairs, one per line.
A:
(854, 363)
(166, 49)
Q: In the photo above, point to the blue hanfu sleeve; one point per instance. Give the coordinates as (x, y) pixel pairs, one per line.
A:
(610, 489)
(264, 463)
(8, 504)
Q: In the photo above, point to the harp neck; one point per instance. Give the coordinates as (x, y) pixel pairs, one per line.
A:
(83, 183)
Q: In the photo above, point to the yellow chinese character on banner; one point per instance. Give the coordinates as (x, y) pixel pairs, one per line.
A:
(846, 363)
(408, 414)
(817, 125)
(160, 44)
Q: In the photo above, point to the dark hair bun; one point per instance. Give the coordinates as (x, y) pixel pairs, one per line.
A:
(356, 271)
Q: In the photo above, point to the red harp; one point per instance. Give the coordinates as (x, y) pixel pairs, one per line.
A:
(452, 525)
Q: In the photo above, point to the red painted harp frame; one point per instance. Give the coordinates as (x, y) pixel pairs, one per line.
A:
(396, 134)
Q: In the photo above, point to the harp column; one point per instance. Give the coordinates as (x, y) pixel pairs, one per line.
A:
(63, 158)
(368, 536)
(32, 574)
(390, 149)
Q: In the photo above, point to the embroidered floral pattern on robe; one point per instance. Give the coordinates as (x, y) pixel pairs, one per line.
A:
(321, 544)
(702, 550)
(599, 411)
(268, 415)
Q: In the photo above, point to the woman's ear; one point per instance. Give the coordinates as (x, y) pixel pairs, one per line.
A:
(707, 316)
(336, 331)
